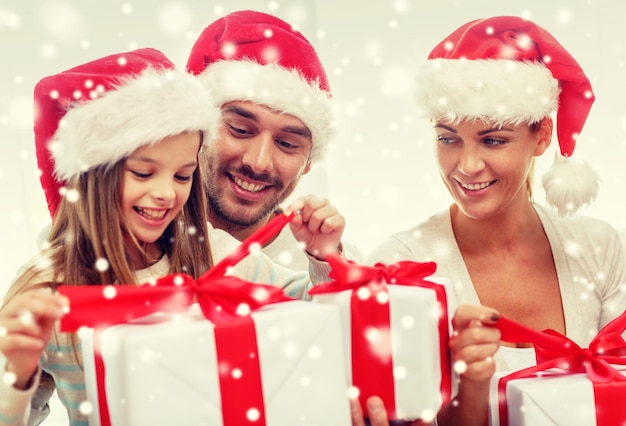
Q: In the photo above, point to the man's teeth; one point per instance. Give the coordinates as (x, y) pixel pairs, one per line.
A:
(248, 186)
(151, 213)
(475, 186)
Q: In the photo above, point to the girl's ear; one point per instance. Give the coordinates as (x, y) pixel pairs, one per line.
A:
(544, 136)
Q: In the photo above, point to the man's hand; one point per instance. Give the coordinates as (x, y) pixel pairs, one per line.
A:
(317, 224)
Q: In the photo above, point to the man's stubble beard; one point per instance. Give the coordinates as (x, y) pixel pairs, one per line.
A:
(243, 215)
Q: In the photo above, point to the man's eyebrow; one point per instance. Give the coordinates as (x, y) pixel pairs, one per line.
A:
(298, 130)
(242, 112)
(233, 109)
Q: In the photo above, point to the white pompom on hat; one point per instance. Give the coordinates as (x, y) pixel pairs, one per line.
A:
(508, 70)
(253, 56)
(100, 112)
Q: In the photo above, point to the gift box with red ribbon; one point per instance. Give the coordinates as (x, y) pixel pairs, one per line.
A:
(395, 323)
(244, 354)
(213, 351)
(569, 385)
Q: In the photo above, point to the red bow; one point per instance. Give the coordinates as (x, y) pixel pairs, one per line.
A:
(348, 275)
(554, 350)
(220, 297)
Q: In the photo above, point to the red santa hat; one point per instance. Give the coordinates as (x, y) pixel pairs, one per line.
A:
(508, 70)
(100, 112)
(252, 56)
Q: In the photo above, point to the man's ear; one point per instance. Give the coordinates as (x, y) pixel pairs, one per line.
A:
(307, 168)
(544, 136)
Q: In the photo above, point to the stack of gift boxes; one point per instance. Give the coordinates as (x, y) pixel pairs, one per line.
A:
(222, 351)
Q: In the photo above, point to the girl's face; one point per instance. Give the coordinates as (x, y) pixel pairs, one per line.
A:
(157, 182)
(485, 166)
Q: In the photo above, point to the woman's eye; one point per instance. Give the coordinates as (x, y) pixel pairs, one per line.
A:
(183, 178)
(493, 141)
(444, 140)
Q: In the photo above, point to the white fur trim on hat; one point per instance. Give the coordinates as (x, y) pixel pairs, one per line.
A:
(278, 88)
(494, 90)
(140, 111)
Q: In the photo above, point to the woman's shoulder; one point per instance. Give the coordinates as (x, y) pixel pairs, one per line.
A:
(579, 227)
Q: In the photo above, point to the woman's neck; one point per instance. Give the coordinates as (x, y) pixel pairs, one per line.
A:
(502, 231)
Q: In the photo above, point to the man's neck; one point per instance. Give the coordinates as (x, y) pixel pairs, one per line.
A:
(238, 231)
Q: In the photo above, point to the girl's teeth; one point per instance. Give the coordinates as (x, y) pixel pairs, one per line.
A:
(152, 214)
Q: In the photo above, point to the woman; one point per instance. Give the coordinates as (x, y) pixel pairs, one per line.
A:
(489, 89)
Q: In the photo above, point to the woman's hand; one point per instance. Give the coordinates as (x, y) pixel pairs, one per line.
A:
(26, 323)
(474, 342)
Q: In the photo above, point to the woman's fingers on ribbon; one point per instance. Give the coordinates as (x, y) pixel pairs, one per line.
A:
(475, 341)
(356, 413)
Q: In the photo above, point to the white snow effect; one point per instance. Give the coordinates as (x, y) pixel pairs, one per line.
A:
(109, 292)
(315, 352)
(102, 264)
(9, 19)
(175, 19)
(19, 112)
(396, 80)
(85, 408)
(61, 20)
(9, 377)
(253, 414)
(243, 309)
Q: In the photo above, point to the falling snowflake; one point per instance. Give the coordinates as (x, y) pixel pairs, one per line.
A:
(85, 408)
(253, 414)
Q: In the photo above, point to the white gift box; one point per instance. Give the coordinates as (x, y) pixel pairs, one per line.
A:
(166, 373)
(414, 345)
(553, 398)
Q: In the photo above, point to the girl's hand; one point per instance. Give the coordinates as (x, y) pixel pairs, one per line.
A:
(26, 323)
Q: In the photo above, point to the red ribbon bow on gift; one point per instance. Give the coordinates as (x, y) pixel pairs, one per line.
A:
(372, 374)
(220, 297)
(348, 275)
(554, 350)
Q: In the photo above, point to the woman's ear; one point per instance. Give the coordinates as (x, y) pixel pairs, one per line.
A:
(544, 136)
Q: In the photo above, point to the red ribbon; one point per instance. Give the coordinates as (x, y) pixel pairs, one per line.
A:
(371, 373)
(554, 350)
(224, 300)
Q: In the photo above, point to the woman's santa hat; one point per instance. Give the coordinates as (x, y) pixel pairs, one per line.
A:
(100, 112)
(252, 56)
(508, 70)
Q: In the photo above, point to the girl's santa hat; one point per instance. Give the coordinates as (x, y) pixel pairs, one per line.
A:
(252, 56)
(100, 112)
(508, 70)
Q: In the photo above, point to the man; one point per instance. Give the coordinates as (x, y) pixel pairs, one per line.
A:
(277, 122)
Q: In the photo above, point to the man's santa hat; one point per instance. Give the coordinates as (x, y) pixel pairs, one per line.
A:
(100, 112)
(508, 70)
(252, 56)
